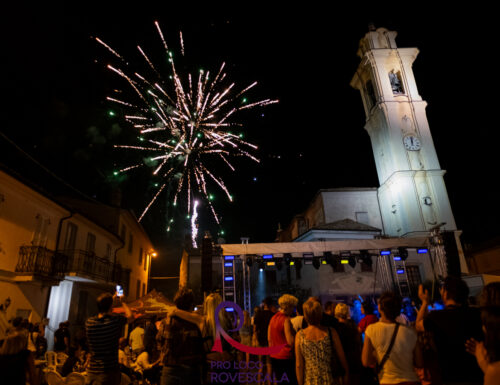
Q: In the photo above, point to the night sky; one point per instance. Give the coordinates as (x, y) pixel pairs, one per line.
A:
(55, 83)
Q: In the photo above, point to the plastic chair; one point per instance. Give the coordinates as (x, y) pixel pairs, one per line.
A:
(61, 358)
(54, 378)
(75, 379)
(51, 358)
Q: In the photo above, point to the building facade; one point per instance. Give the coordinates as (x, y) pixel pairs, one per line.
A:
(59, 254)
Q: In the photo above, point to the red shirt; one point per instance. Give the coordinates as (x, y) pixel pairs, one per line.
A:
(368, 320)
(277, 335)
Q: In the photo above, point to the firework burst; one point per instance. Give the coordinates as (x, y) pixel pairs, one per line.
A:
(183, 123)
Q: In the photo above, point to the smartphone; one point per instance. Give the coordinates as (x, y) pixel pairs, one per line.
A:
(119, 291)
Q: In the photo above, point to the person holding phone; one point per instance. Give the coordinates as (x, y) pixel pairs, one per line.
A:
(103, 333)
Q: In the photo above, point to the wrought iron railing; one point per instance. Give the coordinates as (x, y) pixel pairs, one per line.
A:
(37, 260)
(40, 260)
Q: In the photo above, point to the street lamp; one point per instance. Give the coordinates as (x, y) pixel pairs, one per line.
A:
(151, 254)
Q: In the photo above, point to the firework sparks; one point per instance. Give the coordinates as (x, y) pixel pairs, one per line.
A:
(184, 123)
(194, 227)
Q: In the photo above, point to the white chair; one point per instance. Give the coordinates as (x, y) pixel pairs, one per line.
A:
(51, 358)
(61, 358)
(54, 378)
(75, 379)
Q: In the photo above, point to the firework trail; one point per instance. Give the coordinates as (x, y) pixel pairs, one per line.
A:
(182, 123)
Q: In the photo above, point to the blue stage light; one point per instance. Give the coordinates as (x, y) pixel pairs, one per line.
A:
(422, 251)
(228, 257)
(400, 271)
(267, 256)
(397, 258)
(385, 252)
(228, 278)
(228, 264)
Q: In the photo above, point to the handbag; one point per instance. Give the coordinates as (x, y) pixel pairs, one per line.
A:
(338, 369)
(380, 365)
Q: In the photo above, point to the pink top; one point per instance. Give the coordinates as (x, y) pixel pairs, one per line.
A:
(277, 335)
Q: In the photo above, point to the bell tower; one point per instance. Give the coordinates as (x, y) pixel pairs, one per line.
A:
(412, 193)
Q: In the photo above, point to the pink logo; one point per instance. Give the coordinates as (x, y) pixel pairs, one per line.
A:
(244, 348)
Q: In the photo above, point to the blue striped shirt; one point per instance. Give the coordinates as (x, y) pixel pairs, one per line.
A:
(103, 334)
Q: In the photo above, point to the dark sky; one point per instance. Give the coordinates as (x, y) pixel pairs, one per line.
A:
(55, 82)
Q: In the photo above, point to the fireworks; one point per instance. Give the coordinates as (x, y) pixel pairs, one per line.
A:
(182, 122)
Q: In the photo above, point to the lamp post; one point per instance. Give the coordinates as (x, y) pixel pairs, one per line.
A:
(152, 254)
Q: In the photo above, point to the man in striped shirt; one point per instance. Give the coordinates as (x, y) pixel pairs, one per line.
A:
(103, 333)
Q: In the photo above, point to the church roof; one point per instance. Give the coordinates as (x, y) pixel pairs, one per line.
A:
(345, 225)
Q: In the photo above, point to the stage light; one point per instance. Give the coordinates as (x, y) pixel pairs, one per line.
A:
(344, 261)
(267, 256)
(344, 257)
(316, 263)
(229, 309)
(422, 251)
(228, 257)
(403, 253)
(228, 278)
(323, 262)
(270, 263)
(397, 258)
(292, 263)
(385, 252)
(400, 271)
(228, 264)
(261, 269)
(249, 261)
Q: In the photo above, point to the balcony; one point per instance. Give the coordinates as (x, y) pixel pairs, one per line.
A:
(40, 261)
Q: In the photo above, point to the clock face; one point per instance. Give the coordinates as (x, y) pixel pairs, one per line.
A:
(412, 143)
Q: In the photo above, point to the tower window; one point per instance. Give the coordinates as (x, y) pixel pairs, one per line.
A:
(396, 83)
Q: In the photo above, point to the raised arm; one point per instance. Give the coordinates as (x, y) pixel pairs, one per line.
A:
(194, 318)
(424, 296)
(289, 335)
(368, 355)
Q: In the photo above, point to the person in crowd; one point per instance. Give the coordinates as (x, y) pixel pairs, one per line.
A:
(39, 340)
(148, 364)
(487, 353)
(4, 320)
(298, 322)
(356, 313)
(124, 359)
(403, 356)
(320, 359)
(329, 319)
(181, 344)
(451, 328)
(103, 333)
(17, 364)
(245, 333)
(368, 310)
(280, 332)
(62, 338)
(150, 332)
(136, 338)
(260, 326)
(351, 342)
(76, 361)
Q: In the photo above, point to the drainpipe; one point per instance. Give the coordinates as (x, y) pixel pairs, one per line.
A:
(114, 260)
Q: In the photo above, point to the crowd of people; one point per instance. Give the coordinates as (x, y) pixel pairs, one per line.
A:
(312, 343)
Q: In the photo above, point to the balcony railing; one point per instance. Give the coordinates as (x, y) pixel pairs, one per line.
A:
(39, 260)
(42, 261)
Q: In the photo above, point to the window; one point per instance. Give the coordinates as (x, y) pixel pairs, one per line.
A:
(69, 242)
(108, 251)
(147, 259)
(90, 243)
(138, 289)
(40, 232)
(396, 83)
(130, 243)
(140, 256)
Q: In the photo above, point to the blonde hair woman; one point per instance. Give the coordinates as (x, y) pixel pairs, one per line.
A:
(281, 332)
(316, 347)
(16, 360)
